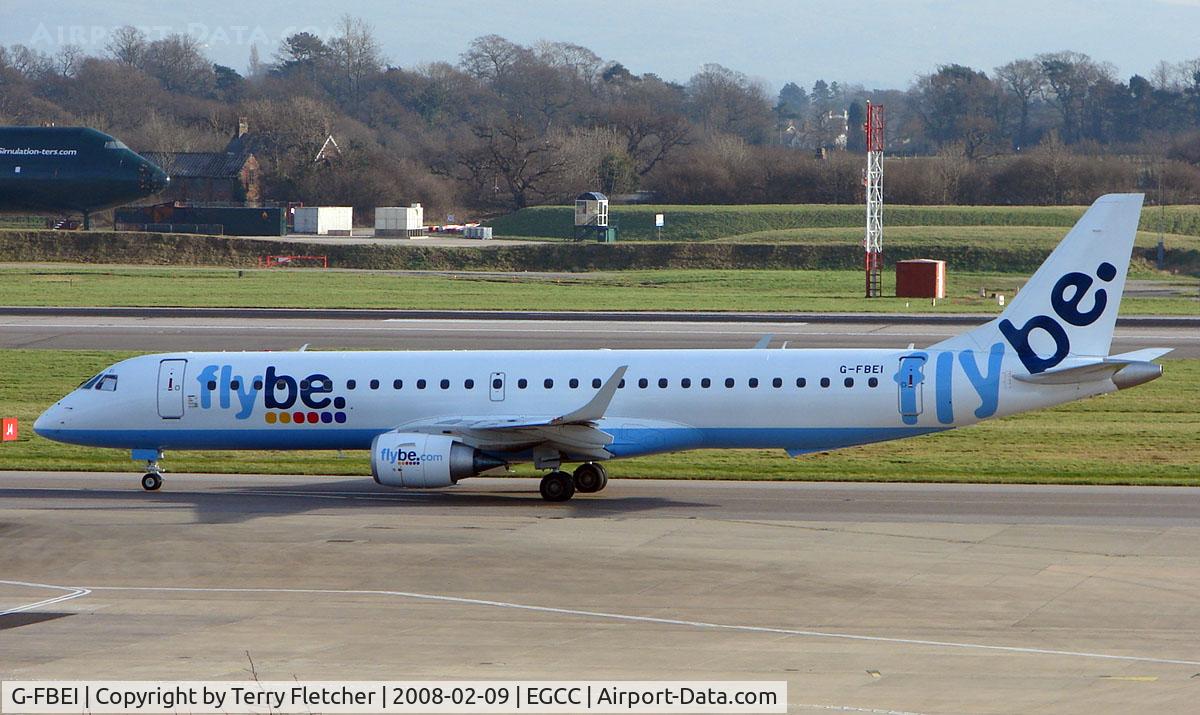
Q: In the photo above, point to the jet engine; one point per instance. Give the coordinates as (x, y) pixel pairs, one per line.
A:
(412, 460)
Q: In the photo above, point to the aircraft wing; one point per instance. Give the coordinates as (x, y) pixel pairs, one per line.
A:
(572, 433)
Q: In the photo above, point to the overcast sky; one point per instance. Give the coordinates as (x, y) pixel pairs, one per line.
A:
(773, 40)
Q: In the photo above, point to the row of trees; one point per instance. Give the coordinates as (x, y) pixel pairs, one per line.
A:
(508, 125)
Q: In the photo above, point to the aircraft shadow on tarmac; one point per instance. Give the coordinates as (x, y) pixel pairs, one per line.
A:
(237, 504)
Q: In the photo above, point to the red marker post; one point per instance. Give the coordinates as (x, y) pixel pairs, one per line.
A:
(10, 428)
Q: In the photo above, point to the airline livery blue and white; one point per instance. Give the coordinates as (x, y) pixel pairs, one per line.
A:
(431, 419)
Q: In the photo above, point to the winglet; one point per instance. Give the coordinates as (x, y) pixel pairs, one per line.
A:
(596, 407)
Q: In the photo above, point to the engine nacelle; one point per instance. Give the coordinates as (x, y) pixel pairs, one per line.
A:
(412, 460)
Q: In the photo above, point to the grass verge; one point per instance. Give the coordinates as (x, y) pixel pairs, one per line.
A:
(1147, 435)
(732, 290)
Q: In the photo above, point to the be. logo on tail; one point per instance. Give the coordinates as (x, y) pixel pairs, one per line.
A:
(1065, 307)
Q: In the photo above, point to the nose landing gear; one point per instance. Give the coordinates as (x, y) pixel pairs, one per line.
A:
(152, 479)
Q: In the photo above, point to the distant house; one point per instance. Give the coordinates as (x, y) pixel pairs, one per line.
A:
(230, 176)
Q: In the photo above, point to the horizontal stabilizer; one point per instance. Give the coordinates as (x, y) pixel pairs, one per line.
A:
(1126, 370)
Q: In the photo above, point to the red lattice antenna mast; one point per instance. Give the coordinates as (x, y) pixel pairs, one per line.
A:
(873, 242)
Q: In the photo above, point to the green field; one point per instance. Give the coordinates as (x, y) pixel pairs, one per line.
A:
(731, 290)
(704, 223)
(1147, 435)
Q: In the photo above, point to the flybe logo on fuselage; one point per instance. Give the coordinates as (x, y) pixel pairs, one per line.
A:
(284, 399)
(1067, 309)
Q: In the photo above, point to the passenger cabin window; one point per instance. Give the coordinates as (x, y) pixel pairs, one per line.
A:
(444, 384)
(824, 382)
(374, 384)
(662, 382)
(421, 384)
(350, 384)
(258, 384)
(685, 383)
(397, 384)
(729, 382)
(873, 382)
(754, 382)
(108, 383)
(469, 384)
(596, 383)
(801, 382)
(522, 383)
(777, 382)
(643, 383)
(574, 383)
(548, 383)
(848, 382)
(705, 383)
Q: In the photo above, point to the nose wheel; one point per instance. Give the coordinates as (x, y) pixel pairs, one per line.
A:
(151, 481)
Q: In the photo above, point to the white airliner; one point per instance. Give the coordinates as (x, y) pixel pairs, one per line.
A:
(432, 418)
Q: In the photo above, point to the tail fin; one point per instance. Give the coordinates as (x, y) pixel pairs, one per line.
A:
(1069, 306)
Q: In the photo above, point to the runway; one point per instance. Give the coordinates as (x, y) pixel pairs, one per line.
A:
(194, 332)
(865, 597)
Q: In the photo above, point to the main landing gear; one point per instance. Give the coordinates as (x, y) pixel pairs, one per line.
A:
(588, 478)
(151, 481)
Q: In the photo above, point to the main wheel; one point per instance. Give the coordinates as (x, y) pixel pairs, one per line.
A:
(151, 481)
(590, 478)
(557, 486)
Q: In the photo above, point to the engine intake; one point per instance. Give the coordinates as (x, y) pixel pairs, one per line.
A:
(412, 460)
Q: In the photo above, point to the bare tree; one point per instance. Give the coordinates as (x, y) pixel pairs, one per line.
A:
(490, 58)
(355, 55)
(68, 59)
(178, 62)
(1070, 77)
(128, 45)
(725, 101)
(1024, 80)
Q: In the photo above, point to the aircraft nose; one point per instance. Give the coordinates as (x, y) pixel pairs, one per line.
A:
(159, 181)
(50, 422)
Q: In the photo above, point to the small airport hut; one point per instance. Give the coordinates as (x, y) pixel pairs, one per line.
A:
(483, 233)
(591, 217)
(405, 221)
(324, 220)
(921, 278)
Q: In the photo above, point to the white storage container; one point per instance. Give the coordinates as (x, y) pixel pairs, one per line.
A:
(324, 220)
(399, 220)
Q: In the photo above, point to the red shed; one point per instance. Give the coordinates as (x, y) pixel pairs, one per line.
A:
(921, 278)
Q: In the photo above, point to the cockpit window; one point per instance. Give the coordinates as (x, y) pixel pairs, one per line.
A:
(87, 384)
(115, 144)
(107, 383)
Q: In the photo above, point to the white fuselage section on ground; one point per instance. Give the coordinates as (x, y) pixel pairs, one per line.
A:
(670, 400)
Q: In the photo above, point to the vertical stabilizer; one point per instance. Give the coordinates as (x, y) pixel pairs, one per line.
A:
(1069, 307)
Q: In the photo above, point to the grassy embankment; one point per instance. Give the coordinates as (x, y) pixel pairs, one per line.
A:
(705, 223)
(744, 290)
(1147, 435)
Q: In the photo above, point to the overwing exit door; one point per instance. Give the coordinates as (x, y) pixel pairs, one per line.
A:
(496, 385)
